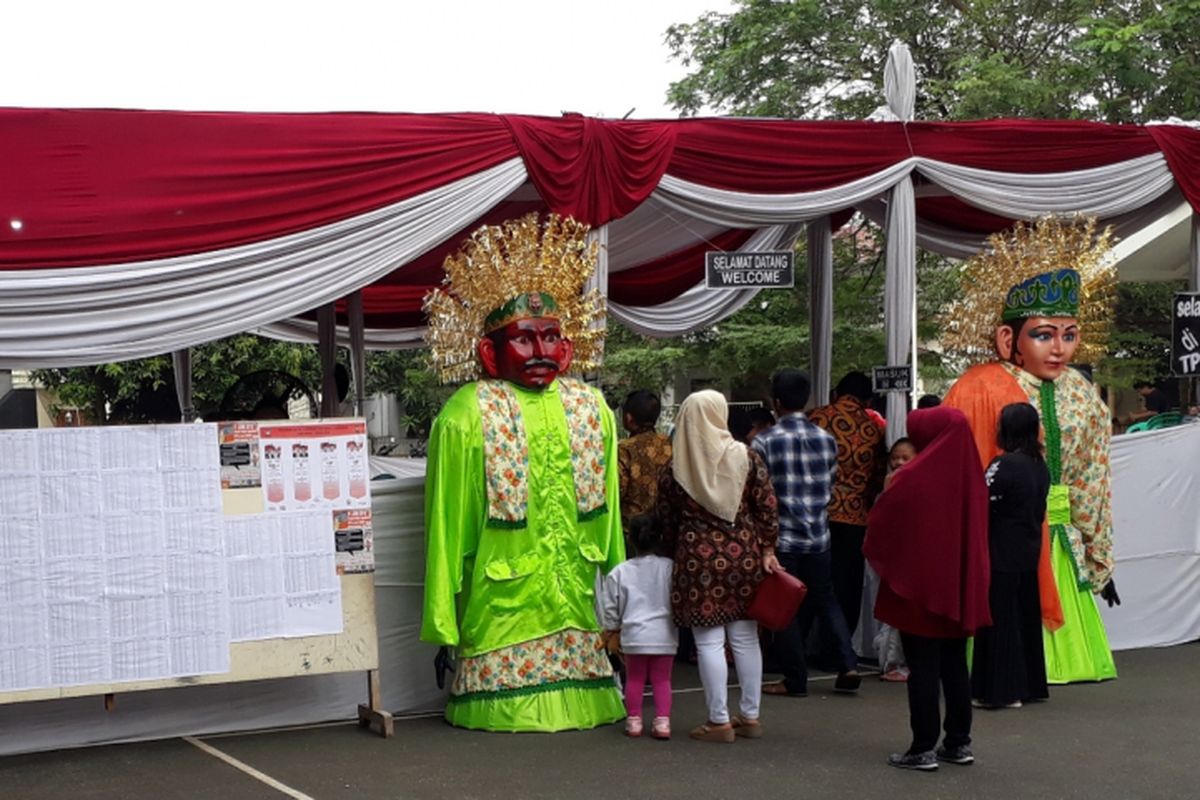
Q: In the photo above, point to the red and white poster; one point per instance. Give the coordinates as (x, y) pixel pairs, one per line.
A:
(322, 465)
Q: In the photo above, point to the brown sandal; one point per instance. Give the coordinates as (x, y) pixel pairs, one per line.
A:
(710, 732)
(746, 728)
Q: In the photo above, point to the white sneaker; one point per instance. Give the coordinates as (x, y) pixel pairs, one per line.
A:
(633, 727)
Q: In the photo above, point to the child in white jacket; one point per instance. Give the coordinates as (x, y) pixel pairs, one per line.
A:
(635, 605)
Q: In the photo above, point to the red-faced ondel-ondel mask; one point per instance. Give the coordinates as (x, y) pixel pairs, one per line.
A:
(528, 352)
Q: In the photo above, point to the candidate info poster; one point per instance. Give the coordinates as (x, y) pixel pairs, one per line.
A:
(322, 466)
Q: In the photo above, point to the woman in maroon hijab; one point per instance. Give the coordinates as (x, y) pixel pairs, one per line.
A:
(928, 542)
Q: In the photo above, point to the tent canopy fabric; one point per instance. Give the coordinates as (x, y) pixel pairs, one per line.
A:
(130, 233)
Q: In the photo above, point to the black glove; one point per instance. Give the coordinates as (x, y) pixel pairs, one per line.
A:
(443, 662)
(1109, 593)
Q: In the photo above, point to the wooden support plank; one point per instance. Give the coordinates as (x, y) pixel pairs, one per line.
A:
(371, 714)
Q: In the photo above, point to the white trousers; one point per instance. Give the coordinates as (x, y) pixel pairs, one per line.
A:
(714, 672)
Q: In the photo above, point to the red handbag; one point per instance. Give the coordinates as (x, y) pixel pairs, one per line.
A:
(776, 600)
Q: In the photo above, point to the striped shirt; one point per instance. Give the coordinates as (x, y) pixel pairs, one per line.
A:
(802, 460)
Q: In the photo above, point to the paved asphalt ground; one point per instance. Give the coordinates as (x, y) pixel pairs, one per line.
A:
(1136, 737)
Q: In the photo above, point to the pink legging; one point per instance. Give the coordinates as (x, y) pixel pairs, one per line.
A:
(658, 669)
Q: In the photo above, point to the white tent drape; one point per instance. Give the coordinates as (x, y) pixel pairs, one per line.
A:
(900, 82)
(962, 244)
(680, 213)
(1105, 191)
(305, 331)
(742, 210)
(80, 316)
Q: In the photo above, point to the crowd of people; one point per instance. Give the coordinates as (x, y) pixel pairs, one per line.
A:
(992, 520)
(709, 513)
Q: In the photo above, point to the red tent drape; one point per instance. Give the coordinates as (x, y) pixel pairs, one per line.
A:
(591, 169)
(102, 187)
(81, 188)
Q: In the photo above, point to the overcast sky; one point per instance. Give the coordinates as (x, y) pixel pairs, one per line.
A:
(520, 56)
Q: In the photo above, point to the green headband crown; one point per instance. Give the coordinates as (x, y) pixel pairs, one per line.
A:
(1051, 294)
(523, 306)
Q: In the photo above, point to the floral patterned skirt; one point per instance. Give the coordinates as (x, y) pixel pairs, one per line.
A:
(556, 682)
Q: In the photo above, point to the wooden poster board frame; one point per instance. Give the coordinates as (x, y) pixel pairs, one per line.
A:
(355, 649)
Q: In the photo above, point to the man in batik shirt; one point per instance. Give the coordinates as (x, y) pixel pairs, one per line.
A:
(861, 463)
(642, 455)
(521, 501)
(1036, 341)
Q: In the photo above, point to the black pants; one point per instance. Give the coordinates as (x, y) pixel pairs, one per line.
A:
(1010, 664)
(934, 663)
(846, 542)
(813, 569)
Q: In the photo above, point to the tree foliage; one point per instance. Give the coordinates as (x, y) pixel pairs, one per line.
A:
(1140, 348)
(409, 376)
(143, 390)
(1126, 61)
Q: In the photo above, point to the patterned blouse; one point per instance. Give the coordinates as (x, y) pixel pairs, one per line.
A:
(640, 459)
(718, 564)
(861, 461)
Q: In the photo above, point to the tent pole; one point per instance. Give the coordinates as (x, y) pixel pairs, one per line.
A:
(912, 395)
(820, 307)
(327, 349)
(1194, 255)
(1193, 286)
(181, 360)
(899, 294)
(358, 350)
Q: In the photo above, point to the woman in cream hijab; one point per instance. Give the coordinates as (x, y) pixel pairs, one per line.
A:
(720, 522)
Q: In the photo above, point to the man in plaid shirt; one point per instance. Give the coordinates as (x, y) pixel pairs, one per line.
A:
(802, 459)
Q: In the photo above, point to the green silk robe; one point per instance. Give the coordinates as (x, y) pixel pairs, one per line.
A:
(517, 601)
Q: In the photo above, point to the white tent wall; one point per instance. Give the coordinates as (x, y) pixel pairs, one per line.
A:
(1156, 538)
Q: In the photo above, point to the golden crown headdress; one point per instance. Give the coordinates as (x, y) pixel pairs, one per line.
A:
(1020, 254)
(492, 274)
